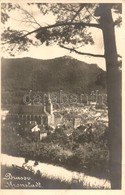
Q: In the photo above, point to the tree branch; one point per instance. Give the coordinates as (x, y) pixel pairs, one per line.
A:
(31, 16)
(83, 24)
(119, 56)
(76, 14)
(82, 53)
(91, 14)
(118, 22)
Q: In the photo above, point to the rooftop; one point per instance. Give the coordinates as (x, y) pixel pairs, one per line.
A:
(27, 110)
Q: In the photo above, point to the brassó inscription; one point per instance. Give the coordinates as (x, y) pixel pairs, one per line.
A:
(14, 182)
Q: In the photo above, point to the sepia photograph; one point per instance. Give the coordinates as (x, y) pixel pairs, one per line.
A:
(61, 95)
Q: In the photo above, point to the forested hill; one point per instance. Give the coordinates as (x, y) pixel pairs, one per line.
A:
(64, 73)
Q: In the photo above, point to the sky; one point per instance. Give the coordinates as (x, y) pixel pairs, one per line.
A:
(49, 52)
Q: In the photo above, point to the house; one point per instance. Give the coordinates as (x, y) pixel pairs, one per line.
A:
(72, 120)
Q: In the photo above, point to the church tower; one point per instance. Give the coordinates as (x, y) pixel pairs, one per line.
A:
(48, 107)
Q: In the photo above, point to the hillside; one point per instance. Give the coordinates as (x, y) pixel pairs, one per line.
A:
(64, 73)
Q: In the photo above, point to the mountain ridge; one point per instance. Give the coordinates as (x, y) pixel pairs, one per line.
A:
(65, 73)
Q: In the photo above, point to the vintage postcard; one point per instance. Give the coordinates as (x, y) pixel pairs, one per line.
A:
(62, 96)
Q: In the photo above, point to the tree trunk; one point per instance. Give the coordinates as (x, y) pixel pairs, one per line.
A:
(114, 96)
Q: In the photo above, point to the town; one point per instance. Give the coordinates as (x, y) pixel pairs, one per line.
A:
(57, 110)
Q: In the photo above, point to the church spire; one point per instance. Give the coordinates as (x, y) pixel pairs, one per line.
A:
(48, 107)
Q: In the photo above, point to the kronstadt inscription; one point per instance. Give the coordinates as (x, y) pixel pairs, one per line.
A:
(14, 182)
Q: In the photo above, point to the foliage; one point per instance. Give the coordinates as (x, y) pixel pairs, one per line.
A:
(98, 134)
(77, 152)
(70, 26)
(17, 38)
(5, 9)
(92, 158)
(58, 137)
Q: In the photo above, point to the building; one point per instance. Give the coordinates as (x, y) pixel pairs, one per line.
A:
(72, 120)
(25, 114)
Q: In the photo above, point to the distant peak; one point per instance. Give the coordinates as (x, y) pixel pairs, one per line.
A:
(68, 57)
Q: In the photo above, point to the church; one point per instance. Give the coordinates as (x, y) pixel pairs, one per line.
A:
(41, 114)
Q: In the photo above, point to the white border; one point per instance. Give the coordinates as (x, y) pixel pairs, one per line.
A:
(81, 192)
